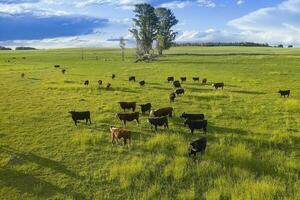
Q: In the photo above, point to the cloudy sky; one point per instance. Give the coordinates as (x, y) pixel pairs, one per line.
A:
(96, 23)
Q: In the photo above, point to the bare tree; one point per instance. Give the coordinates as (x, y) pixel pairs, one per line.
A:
(122, 45)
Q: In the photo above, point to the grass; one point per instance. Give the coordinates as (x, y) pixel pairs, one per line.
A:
(253, 134)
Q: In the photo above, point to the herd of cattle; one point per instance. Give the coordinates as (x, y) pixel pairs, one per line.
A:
(157, 118)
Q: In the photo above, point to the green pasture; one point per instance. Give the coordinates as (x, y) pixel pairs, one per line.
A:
(253, 149)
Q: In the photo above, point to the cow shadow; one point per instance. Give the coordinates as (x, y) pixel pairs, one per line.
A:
(225, 130)
(121, 89)
(247, 92)
(34, 79)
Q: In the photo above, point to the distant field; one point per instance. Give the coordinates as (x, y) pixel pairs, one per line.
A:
(253, 135)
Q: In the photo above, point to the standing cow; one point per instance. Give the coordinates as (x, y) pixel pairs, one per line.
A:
(85, 115)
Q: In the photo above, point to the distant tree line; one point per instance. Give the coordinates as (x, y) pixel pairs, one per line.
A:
(216, 44)
(25, 48)
(4, 48)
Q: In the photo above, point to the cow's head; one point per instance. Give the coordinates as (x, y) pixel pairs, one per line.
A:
(71, 112)
(183, 115)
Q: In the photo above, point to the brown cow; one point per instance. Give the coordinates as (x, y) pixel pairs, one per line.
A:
(118, 133)
(128, 105)
(128, 117)
(163, 112)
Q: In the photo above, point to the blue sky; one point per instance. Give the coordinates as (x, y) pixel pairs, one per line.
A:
(95, 23)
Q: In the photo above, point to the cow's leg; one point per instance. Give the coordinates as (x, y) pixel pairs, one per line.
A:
(125, 141)
(137, 121)
(90, 120)
(205, 130)
(192, 131)
(86, 120)
(155, 127)
(75, 122)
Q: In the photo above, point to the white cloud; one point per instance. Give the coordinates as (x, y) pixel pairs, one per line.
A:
(91, 40)
(209, 35)
(240, 2)
(278, 24)
(176, 4)
(206, 3)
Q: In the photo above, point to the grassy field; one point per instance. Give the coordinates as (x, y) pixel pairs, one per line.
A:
(253, 135)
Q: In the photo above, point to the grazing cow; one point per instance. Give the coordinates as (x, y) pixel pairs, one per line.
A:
(192, 116)
(56, 66)
(284, 93)
(128, 105)
(124, 117)
(86, 115)
(108, 86)
(142, 83)
(131, 78)
(183, 79)
(176, 84)
(204, 81)
(63, 71)
(158, 121)
(24, 58)
(170, 79)
(196, 124)
(196, 79)
(218, 85)
(179, 91)
(197, 146)
(86, 82)
(163, 112)
(22, 75)
(113, 76)
(118, 133)
(100, 82)
(145, 107)
(172, 97)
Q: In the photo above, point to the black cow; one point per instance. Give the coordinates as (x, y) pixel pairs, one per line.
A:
(86, 82)
(196, 124)
(204, 81)
(170, 79)
(108, 86)
(198, 146)
(100, 82)
(56, 66)
(22, 75)
(86, 115)
(63, 71)
(218, 85)
(131, 78)
(142, 83)
(196, 79)
(183, 79)
(179, 91)
(113, 76)
(176, 84)
(158, 121)
(172, 97)
(192, 116)
(145, 107)
(284, 93)
(128, 105)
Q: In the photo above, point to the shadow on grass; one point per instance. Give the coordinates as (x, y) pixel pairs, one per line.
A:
(44, 162)
(247, 92)
(225, 130)
(121, 89)
(26, 183)
(34, 79)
